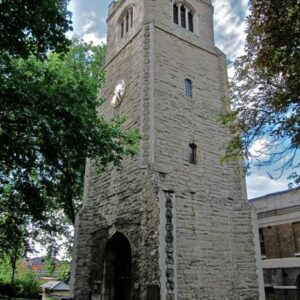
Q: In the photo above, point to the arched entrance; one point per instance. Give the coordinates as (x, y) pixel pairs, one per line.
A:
(117, 269)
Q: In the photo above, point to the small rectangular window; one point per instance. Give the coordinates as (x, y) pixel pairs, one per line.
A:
(182, 16)
(175, 14)
(192, 153)
(191, 24)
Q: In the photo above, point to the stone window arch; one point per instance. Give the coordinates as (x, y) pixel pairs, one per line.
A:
(125, 22)
(183, 15)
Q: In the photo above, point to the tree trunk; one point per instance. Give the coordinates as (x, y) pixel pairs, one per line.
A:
(13, 261)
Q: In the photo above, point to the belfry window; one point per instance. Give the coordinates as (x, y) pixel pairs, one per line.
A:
(190, 21)
(126, 22)
(122, 28)
(175, 13)
(183, 16)
(188, 88)
(192, 153)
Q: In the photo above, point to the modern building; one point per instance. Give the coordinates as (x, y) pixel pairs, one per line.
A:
(173, 223)
(277, 226)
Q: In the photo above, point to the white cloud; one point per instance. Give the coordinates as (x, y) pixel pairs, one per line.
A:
(88, 26)
(259, 184)
(230, 28)
(259, 148)
(93, 37)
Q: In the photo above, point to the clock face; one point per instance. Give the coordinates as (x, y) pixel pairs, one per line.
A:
(118, 94)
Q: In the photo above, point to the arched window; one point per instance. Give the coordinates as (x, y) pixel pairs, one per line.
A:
(126, 21)
(192, 153)
(183, 16)
(188, 88)
(190, 21)
(175, 13)
(122, 28)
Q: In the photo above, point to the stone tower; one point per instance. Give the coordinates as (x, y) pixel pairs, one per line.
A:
(173, 223)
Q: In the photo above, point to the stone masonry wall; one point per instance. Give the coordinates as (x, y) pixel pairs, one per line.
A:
(122, 200)
(214, 237)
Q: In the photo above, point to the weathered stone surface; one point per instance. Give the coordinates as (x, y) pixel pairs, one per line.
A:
(188, 225)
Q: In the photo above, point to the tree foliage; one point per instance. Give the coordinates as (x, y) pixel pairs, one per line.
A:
(33, 26)
(65, 272)
(25, 283)
(48, 126)
(265, 89)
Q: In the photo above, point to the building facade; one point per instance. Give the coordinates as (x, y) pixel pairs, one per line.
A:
(173, 223)
(277, 224)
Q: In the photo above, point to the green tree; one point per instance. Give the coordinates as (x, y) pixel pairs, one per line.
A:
(24, 283)
(48, 126)
(33, 26)
(265, 89)
(65, 272)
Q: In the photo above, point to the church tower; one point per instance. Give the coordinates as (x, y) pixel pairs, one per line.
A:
(173, 223)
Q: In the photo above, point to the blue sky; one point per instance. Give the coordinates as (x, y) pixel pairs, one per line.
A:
(89, 22)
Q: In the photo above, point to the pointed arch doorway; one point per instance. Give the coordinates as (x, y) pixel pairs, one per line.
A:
(117, 269)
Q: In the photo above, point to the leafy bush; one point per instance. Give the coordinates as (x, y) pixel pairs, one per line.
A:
(27, 284)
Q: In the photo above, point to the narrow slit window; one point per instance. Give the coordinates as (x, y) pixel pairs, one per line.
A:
(175, 13)
(192, 154)
(188, 88)
(191, 24)
(182, 16)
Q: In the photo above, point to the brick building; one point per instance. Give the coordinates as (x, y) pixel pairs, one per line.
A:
(277, 223)
(173, 223)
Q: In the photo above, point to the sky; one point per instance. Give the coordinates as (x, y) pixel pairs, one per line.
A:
(89, 22)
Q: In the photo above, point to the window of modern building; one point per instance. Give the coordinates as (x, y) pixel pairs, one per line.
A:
(188, 88)
(262, 241)
(183, 16)
(126, 22)
(192, 153)
(296, 228)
